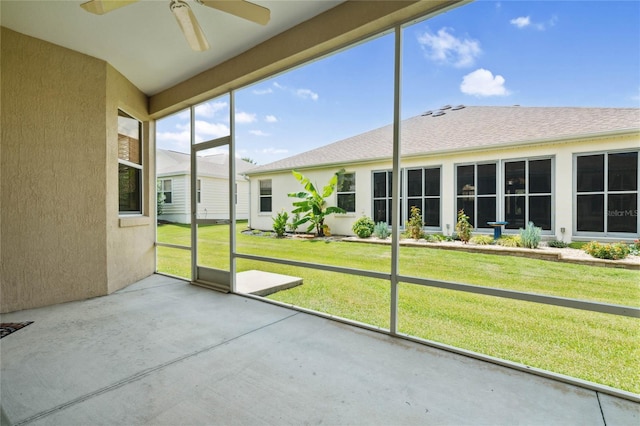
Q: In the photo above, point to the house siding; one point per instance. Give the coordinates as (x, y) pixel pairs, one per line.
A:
(214, 196)
(561, 154)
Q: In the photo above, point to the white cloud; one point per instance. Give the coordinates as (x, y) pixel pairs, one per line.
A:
(525, 21)
(307, 94)
(445, 48)
(262, 91)
(176, 141)
(245, 117)
(206, 110)
(301, 93)
(483, 83)
(170, 138)
(258, 133)
(210, 109)
(207, 131)
(521, 22)
(271, 119)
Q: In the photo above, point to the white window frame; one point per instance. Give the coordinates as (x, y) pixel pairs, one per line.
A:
(338, 193)
(526, 194)
(140, 167)
(164, 191)
(422, 196)
(260, 196)
(605, 192)
(475, 195)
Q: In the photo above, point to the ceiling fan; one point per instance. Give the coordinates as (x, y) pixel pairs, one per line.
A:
(185, 17)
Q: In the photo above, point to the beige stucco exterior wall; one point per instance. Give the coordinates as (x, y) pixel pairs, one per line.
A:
(53, 174)
(562, 154)
(130, 240)
(59, 235)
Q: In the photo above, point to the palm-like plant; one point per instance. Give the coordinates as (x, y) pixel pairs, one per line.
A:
(313, 205)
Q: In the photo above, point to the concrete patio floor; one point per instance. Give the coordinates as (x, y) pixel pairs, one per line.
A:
(165, 352)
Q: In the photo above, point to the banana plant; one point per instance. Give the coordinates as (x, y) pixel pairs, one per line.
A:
(313, 204)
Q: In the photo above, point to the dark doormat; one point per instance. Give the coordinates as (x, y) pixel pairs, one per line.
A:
(6, 328)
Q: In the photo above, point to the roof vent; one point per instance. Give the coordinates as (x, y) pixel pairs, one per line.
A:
(438, 114)
(457, 107)
(427, 113)
(445, 107)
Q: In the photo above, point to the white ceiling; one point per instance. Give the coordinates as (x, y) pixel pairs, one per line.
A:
(143, 40)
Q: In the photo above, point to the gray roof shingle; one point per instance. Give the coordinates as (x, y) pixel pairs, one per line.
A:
(178, 163)
(472, 127)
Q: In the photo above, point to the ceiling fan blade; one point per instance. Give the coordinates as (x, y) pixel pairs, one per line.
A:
(100, 7)
(241, 8)
(189, 25)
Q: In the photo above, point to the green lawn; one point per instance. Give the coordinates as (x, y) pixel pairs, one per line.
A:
(591, 346)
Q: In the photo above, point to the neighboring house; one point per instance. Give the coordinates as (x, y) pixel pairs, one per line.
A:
(571, 171)
(212, 188)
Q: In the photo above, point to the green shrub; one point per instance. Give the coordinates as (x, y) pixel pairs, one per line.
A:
(510, 241)
(414, 224)
(432, 238)
(463, 227)
(530, 236)
(435, 238)
(579, 245)
(482, 240)
(363, 227)
(612, 251)
(292, 226)
(381, 230)
(557, 244)
(634, 248)
(280, 223)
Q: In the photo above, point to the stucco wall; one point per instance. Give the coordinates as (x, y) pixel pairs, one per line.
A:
(562, 175)
(60, 234)
(53, 234)
(130, 240)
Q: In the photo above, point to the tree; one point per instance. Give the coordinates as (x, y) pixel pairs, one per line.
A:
(313, 204)
(463, 227)
(160, 198)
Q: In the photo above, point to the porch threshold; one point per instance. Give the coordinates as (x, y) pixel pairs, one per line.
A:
(263, 283)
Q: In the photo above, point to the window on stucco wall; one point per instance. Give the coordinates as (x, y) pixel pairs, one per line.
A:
(423, 191)
(265, 196)
(129, 164)
(346, 192)
(607, 193)
(476, 192)
(527, 193)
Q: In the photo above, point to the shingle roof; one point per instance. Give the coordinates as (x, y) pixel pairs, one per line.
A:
(472, 127)
(177, 163)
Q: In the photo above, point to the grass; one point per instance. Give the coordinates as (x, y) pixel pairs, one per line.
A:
(596, 347)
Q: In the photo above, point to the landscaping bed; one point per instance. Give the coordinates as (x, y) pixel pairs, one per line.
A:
(543, 252)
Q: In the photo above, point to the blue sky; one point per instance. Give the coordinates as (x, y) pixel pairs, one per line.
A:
(542, 53)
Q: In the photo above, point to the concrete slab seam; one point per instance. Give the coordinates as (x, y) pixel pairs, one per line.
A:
(604, 420)
(144, 373)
